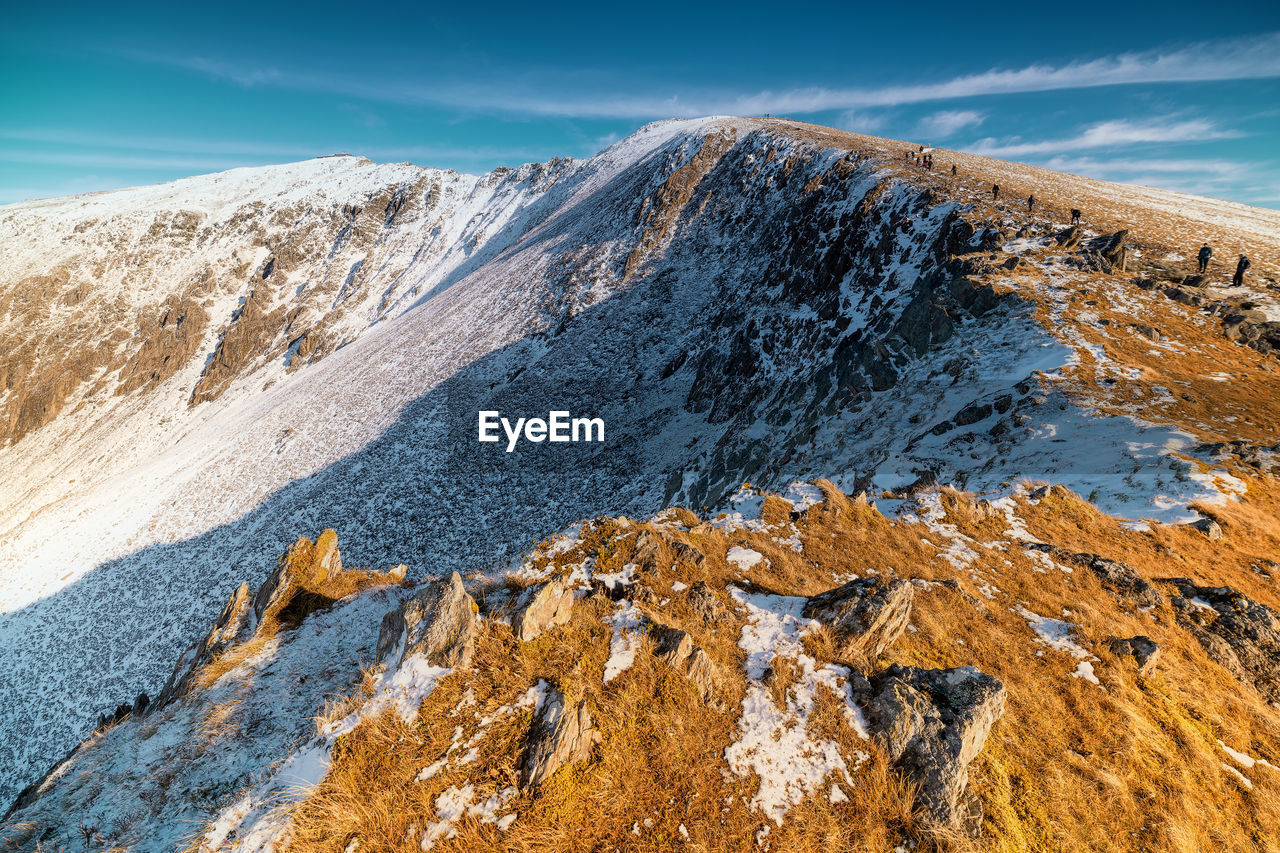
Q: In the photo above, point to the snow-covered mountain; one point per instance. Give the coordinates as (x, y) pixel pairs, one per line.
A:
(195, 374)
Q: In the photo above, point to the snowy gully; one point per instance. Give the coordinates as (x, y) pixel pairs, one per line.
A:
(558, 427)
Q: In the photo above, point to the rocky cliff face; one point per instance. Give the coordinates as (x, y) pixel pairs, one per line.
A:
(197, 372)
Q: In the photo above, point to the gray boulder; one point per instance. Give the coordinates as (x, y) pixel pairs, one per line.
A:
(1111, 247)
(438, 623)
(931, 723)
(867, 614)
(540, 608)
(562, 734)
(1207, 526)
(1144, 651)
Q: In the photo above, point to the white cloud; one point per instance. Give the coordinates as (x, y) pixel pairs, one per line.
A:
(1095, 167)
(1110, 134)
(1224, 59)
(859, 121)
(947, 122)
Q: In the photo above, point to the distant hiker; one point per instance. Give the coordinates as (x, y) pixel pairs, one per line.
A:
(1031, 203)
(995, 192)
(1242, 266)
(1075, 216)
(953, 170)
(1205, 254)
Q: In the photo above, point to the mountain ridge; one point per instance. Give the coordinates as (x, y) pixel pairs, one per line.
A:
(780, 302)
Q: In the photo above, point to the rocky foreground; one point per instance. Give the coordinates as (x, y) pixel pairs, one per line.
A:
(814, 671)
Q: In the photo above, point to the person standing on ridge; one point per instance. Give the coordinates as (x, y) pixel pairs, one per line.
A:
(1031, 203)
(995, 192)
(1242, 266)
(1205, 254)
(1075, 216)
(953, 170)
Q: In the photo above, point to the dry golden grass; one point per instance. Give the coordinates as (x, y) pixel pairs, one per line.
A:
(1131, 765)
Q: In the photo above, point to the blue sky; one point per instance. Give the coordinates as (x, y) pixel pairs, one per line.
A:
(95, 96)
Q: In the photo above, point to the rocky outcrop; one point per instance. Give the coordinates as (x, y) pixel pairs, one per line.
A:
(931, 723)
(866, 614)
(308, 577)
(563, 733)
(234, 623)
(1144, 651)
(304, 568)
(1239, 634)
(676, 648)
(244, 341)
(1119, 578)
(438, 623)
(540, 608)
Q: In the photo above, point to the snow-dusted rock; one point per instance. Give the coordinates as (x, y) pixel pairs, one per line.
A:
(540, 608)
(563, 733)
(931, 723)
(438, 623)
(867, 614)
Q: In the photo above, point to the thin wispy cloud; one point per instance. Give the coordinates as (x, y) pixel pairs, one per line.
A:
(862, 122)
(1255, 57)
(1094, 166)
(1110, 134)
(947, 123)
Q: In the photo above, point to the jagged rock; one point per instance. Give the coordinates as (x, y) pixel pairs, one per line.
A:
(140, 703)
(1185, 296)
(677, 649)
(648, 546)
(1239, 634)
(1142, 649)
(931, 723)
(1069, 238)
(867, 613)
(1196, 281)
(1110, 247)
(438, 623)
(562, 734)
(705, 603)
(1147, 331)
(1207, 526)
(973, 413)
(303, 565)
(234, 623)
(1117, 577)
(540, 608)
